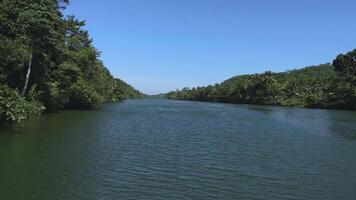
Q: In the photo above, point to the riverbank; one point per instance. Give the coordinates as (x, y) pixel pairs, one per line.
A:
(328, 86)
(48, 62)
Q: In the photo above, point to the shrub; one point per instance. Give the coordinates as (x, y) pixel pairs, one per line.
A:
(14, 107)
(83, 96)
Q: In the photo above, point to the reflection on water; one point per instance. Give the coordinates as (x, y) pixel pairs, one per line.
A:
(340, 123)
(162, 149)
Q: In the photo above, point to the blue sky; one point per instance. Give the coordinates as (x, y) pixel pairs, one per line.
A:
(162, 45)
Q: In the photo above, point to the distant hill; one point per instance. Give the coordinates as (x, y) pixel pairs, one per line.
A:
(323, 86)
(156, 96)
(123, 90)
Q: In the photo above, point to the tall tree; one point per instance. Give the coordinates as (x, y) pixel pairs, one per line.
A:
(344, 87)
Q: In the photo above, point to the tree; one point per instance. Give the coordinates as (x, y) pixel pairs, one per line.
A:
(51, 60)
(37, 25)
(344, 86)
(307, 87)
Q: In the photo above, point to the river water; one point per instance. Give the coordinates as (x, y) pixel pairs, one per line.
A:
(165, 149)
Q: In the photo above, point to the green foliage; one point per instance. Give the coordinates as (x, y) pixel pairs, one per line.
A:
(65, 69)
(315, 87)
(83, 96)
(54, 97)
(124, 91)
(343, 91)
(12, 58)
(13, 107)
(262, 89)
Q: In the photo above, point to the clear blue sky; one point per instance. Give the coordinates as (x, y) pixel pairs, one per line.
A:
(161, 45)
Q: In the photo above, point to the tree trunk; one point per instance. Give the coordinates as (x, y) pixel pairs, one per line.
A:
(27, 75)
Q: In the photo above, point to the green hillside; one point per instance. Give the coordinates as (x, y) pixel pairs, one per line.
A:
(323, 86)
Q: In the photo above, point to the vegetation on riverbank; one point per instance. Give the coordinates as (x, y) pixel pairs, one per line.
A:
(48, 62)
(324, 86)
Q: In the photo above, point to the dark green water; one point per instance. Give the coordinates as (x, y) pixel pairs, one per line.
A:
(161, 149)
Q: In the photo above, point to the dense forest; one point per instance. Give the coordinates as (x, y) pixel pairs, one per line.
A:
(325, 86)
(48, 62)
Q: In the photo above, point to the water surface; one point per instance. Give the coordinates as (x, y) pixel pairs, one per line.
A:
(164, 149)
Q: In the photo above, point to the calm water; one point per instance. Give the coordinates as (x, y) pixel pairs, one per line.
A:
(162, 149)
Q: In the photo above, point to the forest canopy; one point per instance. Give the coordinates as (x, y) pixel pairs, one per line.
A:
(324, 86)
(48, 62)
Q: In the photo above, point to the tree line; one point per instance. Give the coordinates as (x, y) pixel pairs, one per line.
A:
(325, 86)
(48, 62)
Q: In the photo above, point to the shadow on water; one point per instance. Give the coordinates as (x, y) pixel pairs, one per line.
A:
(49, 122)
(264, 109)
(339, 123)
(57, 150)
(343, 124)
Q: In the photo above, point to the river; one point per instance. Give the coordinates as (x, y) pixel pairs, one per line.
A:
(165, 149)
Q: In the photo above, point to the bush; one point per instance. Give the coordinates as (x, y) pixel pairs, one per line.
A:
(54, 97)
(83, 96)
(14, 107)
